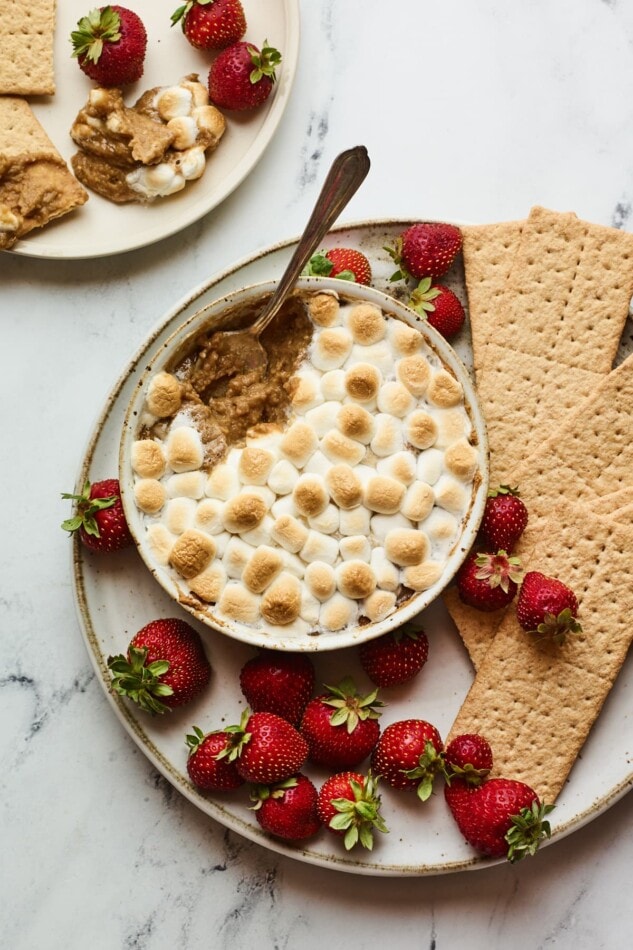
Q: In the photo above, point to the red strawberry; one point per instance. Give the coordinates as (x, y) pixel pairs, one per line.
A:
(501, 817)
(409, 756)
(211, 24)
(341, 726)
(426, 249)
(208, 765)
(396, 657)
(442, 308)
(547, 606)
(99, 517)
(165, 666)
(242, 77)
(488, 581)
(505, 518)
(266, 749)
(348, 805)
(468, 757)
(346, 263)
(281, 683)
(287, 809)
(109, 44)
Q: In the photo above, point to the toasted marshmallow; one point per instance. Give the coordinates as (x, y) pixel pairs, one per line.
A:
(362, 382)
(298, 443)
(283, 477)
(387, 574)
(338, 448)
(191, 553)
(260, 534)
(310, 607)
(281, 603)
(222, 483)
(381, 525)
(307, 393)
(179, 514)
(444, 390)
(320, 580)
(172, 101)
(160, 542)
(209, 516)
(404, 339)
(209, 584)
(402, 466)
(379, 605)
(406, 547)
(326, 521)
(440, 527)
(421, 429)
(395, 399)
(422, 576)
(324, 309)
(451, 495)
(414, 372)
(264, 492)
(319, 547)
(452, 425)
(184, 449)
(366, 323)
(388, 438)
(184, 128)
(323, 417)
(344, 486)
(333, 385)
(236, 556)
(147, 458)
(331, 348)
(430, 466)
(355, 579)
(383, 494)
(238, 603)
(356, 547)
(353, 521)
(377, 354)
(149, 495)
(460, 459)
(418, 501)
(290, 533)
(244, 512)
(338, 612)
(263, 567)
(163, 395)
(199, 92)
(355, 422)
(310, 495)
(255, 465)
(186, 485)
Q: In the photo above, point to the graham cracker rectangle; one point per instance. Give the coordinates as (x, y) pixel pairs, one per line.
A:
(26, 47)
(536, 701)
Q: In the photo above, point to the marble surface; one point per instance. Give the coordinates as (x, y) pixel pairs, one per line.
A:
(470, 111)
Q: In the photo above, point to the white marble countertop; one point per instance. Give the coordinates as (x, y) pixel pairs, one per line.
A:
(470, 111)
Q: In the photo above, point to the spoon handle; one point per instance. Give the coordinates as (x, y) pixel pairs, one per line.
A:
(348, 171)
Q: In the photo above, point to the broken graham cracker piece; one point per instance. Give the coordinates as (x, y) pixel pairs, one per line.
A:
(26, 47)
(35, 182)
(535, 701)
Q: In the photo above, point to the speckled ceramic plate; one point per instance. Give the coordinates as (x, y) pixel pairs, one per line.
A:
(99, 227)
(117, 595)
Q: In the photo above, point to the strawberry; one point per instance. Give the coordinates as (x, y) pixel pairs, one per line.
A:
(504, 520)
(500, 818)
(281, 683)
(346, 263)
(348, 805)
(242, 76)
(547, 606)
(488, 581)
(165, 666)
(265, 748)
(287, 809)
(211, 24)
(409, 756)
(442, 308)
(99, 517)
(208, 765)
(109, 44)
(341, 726)
(426, 249)
(468, 757)
(396, 657)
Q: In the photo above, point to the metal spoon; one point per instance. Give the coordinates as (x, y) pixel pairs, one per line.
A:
(241, 349)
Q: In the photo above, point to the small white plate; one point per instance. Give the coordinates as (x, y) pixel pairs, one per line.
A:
(99, 227)
(116, 596)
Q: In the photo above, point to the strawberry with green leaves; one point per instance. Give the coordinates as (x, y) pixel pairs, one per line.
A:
(547, 606)
(346, 263)
(109, 45)
(348, 804)
(409, 756)
(468, 757)
(208, 765)
(266, 748)
(425, 249)
(242, 76)
(442, 308)
(211, 24)
(280, 683)
(287, 809)
(488, 582)
(99, 519)
(165, 666)
(341, 726)
(396, 657)
(504, 520)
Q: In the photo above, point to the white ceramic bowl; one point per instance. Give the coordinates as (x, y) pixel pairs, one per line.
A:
(214, 316)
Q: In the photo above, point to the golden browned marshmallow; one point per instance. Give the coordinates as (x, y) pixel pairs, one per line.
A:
(147, 458)
(192, 552)
(450, 494)
(421, 429)
(209, 515)
(414, 372)
(149, 495)
(209, 584)
(402, 466)
(344, 486)
(460, 459)
(356, 423)
(452, 424)
(444, 390)
(319, 547)
(362, 382)
(307, 391)
(383, 494)
(299, 442)
(355, 548)
(264, 566)
(185, 485)
(281, 604)
(222, 482)
(184, 449)
(355, 579)
(320, 580)
(405, 341)
(406, 546)
(366, 323)
(395, 399)
(160, 542)
(324, 309)
(238, 603)
(422, 576)
(244, 512)
(338, 612)
(338, 448)
(379, 605)
(440, 526)
(310, 495)
(331, 348)
(418, 501)
(255, 465)
(290, 533)
(164, 396)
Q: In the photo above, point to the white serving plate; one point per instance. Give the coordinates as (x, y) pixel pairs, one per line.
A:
(115, 596)
(99, 227)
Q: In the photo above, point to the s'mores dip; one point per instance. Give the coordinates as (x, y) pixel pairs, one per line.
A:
(322, 495)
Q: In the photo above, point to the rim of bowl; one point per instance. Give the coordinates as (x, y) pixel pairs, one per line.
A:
(349, 636)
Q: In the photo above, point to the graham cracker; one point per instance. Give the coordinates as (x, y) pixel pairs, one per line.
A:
(535, 701)
(26, 47)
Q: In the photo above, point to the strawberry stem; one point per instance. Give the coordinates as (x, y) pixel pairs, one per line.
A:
(140, 683)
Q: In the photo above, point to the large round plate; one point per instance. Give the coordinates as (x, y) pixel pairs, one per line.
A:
(116, 596)
(99, 227)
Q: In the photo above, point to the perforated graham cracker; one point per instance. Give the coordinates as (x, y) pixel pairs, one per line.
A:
(26, 47)
(535, 701)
